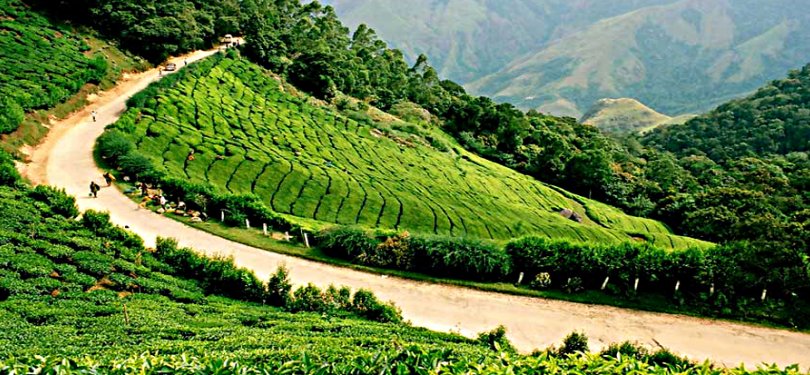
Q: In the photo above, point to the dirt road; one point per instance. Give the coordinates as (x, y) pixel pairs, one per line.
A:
(65, 160)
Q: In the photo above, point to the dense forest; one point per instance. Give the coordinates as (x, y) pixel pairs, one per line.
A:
(749, 184)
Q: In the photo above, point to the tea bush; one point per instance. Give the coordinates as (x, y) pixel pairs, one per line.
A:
(222, 129)
(43, 64)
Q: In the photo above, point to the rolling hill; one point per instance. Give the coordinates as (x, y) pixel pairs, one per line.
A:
(676, 56)
(626, 116)
(228, 125)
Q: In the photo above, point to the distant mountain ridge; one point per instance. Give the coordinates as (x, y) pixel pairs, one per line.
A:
(676, 56)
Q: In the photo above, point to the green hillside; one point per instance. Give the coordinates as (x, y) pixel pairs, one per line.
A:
(310, 162)
(43, 64)
(752, 157)
(50, 69)
(627, 116)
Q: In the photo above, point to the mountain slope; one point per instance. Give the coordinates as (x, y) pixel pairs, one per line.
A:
(625, 116)
(684, 57)
(773, 121)
(677, 56)
(467, 39)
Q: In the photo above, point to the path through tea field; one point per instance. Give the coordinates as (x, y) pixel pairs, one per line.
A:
(531, 323)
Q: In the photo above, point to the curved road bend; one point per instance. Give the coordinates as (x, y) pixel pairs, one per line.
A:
(65, 160)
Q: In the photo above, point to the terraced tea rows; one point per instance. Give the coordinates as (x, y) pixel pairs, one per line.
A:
(228, 124)
(42, 65)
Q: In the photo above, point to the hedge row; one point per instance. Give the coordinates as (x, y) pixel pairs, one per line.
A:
(445, 257)
(722, 281)
(222, 277)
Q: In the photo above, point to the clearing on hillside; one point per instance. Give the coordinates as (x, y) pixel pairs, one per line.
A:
(226, 122)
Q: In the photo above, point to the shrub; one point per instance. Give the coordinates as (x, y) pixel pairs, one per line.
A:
(576, 342)
(218, 276)
(625, 349)
(366, 304)
(11, 115)
(338, 299)
(279, 287)
(60, 202)
(113, 145)
(307, 298)
(9, 176)
(346, 242)
(136, 165)
(665, 358)
(496, 340)
(96, 221)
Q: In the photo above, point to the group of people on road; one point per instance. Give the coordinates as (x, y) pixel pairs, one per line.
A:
(95, 188)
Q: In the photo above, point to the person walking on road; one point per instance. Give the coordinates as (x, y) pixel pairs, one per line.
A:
(94, 113)
(94, 188)
(109, 178)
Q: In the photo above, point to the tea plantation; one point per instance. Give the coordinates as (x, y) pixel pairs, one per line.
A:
(43, 64)
(226, 123)
(84, 297)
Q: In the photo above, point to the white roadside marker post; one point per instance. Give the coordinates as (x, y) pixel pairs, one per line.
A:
(604, 283)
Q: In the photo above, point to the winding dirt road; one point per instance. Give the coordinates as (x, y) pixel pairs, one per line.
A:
(65, 160)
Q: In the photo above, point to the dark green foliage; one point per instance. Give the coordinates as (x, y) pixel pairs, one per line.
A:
(96, 221)
(60, 202)
(11, 115)
(135, 164)
(444, 257)
(576, 342)
(662, 357)
(113, 145)
(496, 340)
(9, 176)
(366, 304)
(279, 288)
(154, 32)
(308, 298)
(216, 276)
